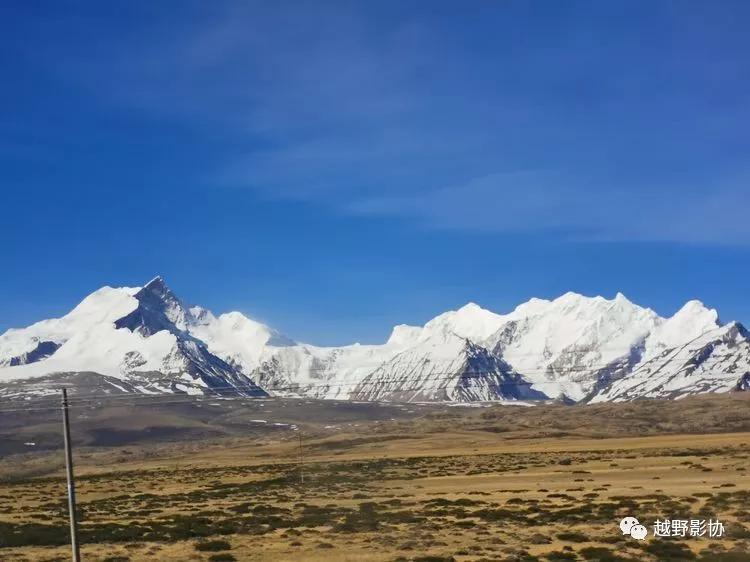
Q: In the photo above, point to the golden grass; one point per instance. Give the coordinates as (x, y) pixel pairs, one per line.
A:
(380, 493)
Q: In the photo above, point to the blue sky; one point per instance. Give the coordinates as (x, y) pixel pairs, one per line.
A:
(334, 168)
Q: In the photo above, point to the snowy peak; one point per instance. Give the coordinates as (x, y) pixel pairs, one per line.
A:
(100, 308)
(158, 309)
(715, 361)
(688, 323)
(566, 345)
(695, 313)
(572, 301)
(531, 307)
(575, 305)
(157, 284)
(124, 334)
(404, 334)
(731, 332)
(471, 321)
(237, 339)
(103, 305)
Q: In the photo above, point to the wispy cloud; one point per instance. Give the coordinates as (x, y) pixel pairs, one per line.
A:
(392, 112)
(553, 203)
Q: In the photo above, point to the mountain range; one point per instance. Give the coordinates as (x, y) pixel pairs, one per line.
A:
(573, 348)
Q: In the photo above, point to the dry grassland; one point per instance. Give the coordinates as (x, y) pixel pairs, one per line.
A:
(466, 485)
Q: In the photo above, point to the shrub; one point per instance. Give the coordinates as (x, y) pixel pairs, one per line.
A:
(560, 556)
(670, 551)
(223, 557)
(572, 536)
(723, 557)
(213, 546)
(600, 554)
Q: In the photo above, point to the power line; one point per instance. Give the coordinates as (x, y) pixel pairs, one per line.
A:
(367, 380)
(432, 376)
(371, 378)
(574, 347)
(342, 382)
(530, 371)
(80, 402)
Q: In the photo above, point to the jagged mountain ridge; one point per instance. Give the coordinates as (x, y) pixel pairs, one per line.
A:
(575, 348)
(716, 361)
(139, 336)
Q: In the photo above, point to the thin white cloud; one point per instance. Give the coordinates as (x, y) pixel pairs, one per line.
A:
(401, 118)
(544, 201)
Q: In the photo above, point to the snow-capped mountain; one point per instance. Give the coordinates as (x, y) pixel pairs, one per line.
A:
(137, 335)
(574, 347)
(573, 344)
(446, 367)
(716, 361)
(351, 372)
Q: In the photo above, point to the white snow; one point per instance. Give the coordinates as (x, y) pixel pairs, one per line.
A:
(235, 338)
(691, 321)
(559, 346)
(725, 356)
(101, 307)
(556, 344)
(470, 322)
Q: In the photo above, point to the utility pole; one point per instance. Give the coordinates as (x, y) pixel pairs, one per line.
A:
(301, 474)
(71, 482)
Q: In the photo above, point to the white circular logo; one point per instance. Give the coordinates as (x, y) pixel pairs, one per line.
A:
(631, 526)
(638, 532)
(627, 524)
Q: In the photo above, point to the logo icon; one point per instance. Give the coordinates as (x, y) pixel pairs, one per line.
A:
(631, 526)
